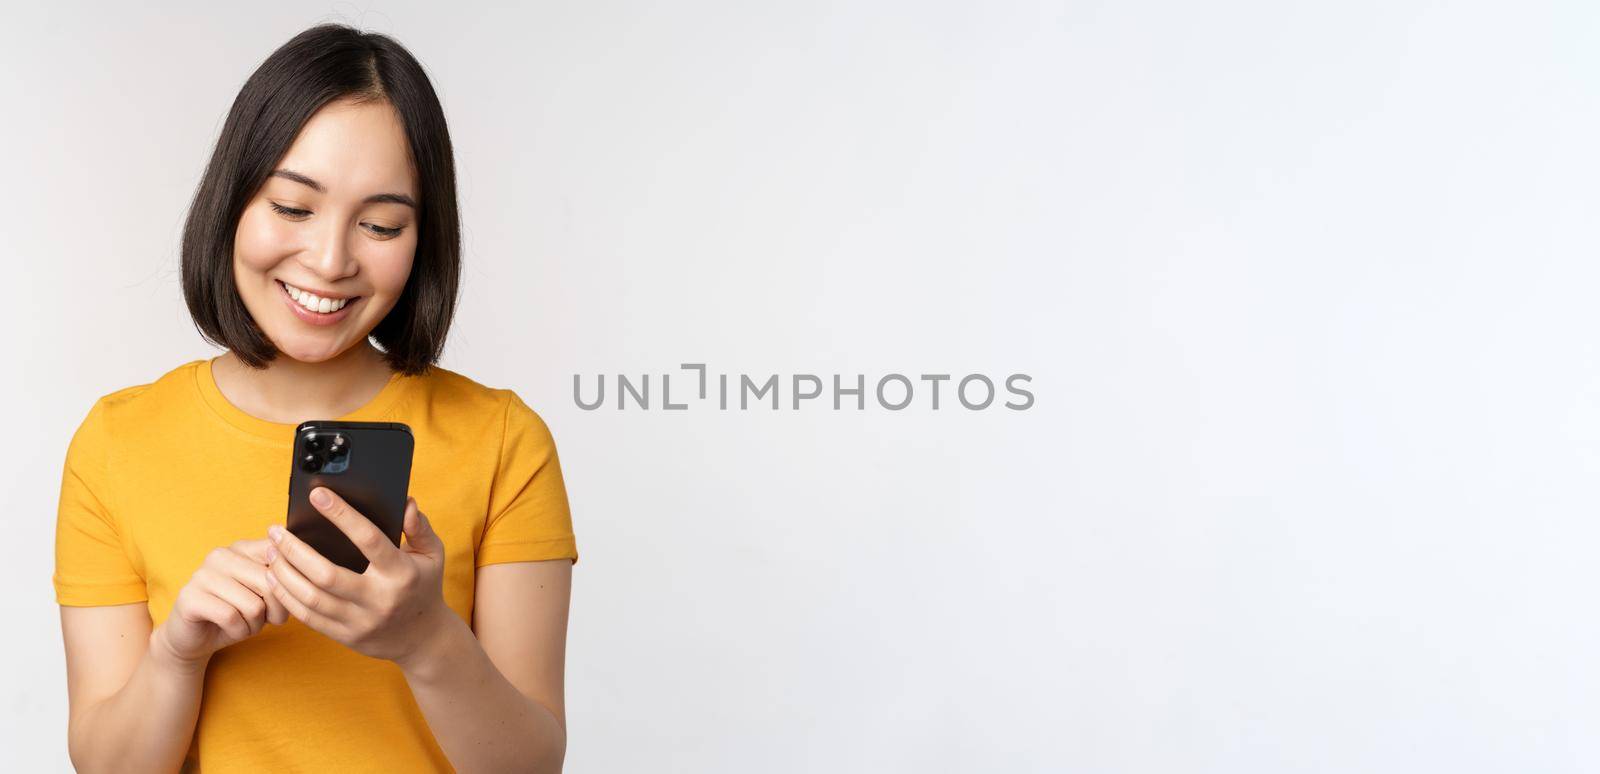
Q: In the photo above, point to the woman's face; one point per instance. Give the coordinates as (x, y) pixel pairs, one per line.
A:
(323, 251)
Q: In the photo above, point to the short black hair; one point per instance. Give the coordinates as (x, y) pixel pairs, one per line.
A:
(320, 65)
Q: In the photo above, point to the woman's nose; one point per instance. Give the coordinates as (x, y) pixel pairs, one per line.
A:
(330, 257)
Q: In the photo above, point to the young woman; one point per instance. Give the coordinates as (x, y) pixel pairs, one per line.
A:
(322, 253)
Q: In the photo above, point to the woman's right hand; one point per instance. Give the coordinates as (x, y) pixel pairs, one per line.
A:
(225, 601)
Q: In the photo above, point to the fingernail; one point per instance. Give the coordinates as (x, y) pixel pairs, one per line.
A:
(275, 533)
(272, 554)
(319, 497)
(271, 581)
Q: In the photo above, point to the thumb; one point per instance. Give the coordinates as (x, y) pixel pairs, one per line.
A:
(419, 533)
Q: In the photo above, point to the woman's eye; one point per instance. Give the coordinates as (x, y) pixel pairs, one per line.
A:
(297, 214)
(289, 211)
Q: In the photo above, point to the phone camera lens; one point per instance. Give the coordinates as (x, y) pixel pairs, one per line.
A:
(311, 463)
(314, 443)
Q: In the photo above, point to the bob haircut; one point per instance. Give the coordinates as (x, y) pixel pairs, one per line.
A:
(320, 65)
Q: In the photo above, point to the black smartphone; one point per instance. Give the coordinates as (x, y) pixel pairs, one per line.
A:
(366, 463)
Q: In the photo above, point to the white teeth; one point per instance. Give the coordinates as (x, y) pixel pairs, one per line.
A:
(313, 302)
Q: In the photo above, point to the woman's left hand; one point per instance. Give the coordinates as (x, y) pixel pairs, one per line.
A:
(391, 611)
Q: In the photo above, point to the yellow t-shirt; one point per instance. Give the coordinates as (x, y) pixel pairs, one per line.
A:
(158, 474)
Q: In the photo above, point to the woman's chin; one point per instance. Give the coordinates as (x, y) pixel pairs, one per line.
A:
(309, 353)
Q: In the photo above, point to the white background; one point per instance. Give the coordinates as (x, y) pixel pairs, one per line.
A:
(1306, 290)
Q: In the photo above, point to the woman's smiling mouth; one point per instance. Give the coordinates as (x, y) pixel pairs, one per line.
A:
(313, 308)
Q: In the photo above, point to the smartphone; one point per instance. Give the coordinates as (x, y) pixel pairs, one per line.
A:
(366, 463)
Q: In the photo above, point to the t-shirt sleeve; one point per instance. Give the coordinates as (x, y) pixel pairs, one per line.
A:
(529, 519)
(92, 566)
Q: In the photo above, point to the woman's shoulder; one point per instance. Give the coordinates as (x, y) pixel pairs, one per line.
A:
(135, 404)
(454, 392)
(153, 394)
(447, 387)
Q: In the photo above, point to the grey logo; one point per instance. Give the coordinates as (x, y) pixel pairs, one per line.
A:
(894, 392)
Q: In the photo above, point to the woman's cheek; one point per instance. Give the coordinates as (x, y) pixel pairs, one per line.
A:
(391, 266)
(260, 242)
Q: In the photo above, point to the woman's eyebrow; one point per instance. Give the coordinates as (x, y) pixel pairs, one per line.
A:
(396, 198)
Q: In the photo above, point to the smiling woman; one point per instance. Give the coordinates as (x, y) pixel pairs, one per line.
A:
(335, 175)
(322, 253)
(296, 246)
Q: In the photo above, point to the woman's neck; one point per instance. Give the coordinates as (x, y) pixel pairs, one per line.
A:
(289, 391)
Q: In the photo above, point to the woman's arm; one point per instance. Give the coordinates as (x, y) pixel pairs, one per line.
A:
(494, 700)
(133, 694)
(132, 706)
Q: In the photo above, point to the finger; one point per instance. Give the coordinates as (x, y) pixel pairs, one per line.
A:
(276, 612)
(207, 608)
(314, 566)
(306, 615)
(241, 563)
(256, 550)
(308, 594)
(362, 532)
(252, 608)
(419, 531)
